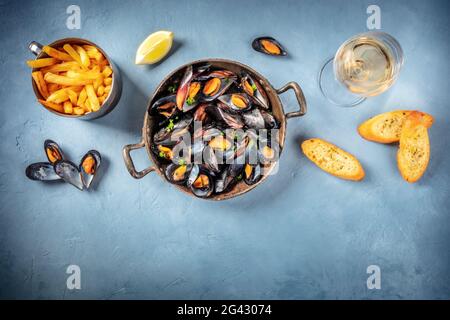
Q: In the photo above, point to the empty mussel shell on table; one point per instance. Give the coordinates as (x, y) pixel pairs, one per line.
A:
(53, 151)
(89, 166)
(69, 172)
(41, 171)
(268, 45)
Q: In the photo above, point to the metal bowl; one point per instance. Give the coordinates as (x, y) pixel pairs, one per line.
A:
(116, 85)
(277, 110)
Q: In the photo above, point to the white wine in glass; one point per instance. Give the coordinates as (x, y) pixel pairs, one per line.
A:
(364, 66)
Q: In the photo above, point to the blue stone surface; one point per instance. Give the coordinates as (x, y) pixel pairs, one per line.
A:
(302, 234)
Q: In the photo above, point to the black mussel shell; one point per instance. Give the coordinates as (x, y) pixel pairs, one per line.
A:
(162, 152)
(252, 173)
(177, 173)
(89, 165)
(53, 151)
(69, 172)
(173, 131)
(165, 106)
(255, 91)
(41, 171)
(183, 89)
(215, 87)
(228, 177)
(268, 45)
(236, 101)
(254, 119)
(220, 113)
(200, 182)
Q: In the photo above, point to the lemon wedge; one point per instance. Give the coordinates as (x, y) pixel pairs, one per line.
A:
(154, 48)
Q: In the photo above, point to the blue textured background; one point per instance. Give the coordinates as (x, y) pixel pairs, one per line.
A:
(302, 234)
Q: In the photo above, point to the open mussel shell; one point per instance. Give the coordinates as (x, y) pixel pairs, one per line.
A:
(53, 151)
(41, 171)
(215, 87)
(228, 177)
(254, 91)
(201, 182)
(172, 132)
(69, 172)
(177, 173)
(221, 113)
(165, 106)
(259, 119)
(252, 173)
(268, 45)
(236, 101)
(89, 166)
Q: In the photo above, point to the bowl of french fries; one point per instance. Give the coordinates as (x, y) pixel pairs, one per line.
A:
(74, 78)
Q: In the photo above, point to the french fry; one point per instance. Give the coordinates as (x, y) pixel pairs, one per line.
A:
(73, 97)
(62, 67)
(57, 54)
(107, 89)
(82, 97)
(40, 63)
(85, 62)
(78, 111)
(107, 81)
(68, 108)
(90, 48)
(58, 96)
(95, 55)
(87, 106)
(93, 100)
(51, 105)
(52, 87)
(84, 75)
(100, 91)
(97, 83)
(65, 81)
(40, 83)
(71, 51)
(107, 71)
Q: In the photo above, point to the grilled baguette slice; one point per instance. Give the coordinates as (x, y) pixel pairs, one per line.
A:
(414, 152)
(385, 127)
(332, 159)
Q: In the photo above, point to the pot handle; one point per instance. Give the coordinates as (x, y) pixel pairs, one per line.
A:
(35, 47)
(300, 99)
(129, 162)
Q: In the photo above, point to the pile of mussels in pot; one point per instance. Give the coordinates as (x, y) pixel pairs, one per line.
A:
(213, 128)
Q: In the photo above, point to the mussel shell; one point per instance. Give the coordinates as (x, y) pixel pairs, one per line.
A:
(255, 174)
(165, 106)
(210, 161)
(220, 113)
(221, 74)
(171, 136)
(254, 119)
(225, 83)
(228, 177)
(87, 177)
(53, 151)
(183, 89)
(229, 101)
(202, 192)
(256, 92)
(258, 45)
(69, 172)
(172, 168)
(41, 171)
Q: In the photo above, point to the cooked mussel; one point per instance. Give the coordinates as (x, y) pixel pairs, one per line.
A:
(166, 106)
(41, 171)
(228, 177)
(89, 166)
(200, 182)
(254, 91)
(53, 151)
(268, 45)
(69, 172)
(221, 113)
(259, 119)
(236, 101)
(173, 131)
(178, 173)
(252, 173)
(215, 87)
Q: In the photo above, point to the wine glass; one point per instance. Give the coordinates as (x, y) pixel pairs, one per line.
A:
(365, 65)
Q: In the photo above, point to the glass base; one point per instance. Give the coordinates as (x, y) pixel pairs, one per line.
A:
(333, 90)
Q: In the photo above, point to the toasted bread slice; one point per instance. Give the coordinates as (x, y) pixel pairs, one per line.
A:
(386, 127)
(414, 152)
(332, 159)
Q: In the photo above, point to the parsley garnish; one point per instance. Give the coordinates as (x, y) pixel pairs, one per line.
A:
(172, 89)
(170, 126)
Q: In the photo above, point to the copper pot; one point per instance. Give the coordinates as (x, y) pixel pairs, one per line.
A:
(277, 109)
